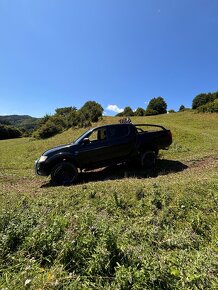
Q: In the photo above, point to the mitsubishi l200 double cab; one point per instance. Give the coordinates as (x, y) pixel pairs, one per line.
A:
(102, 146)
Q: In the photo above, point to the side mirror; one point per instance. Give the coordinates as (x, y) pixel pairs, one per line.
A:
(86, 141)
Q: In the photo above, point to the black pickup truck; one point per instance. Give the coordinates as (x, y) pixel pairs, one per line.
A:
(103, 146)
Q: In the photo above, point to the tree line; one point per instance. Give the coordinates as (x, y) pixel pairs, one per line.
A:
(156, 106)
(68, 117)
(91, 111)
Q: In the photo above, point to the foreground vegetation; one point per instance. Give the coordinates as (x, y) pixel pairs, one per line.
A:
(115, 229)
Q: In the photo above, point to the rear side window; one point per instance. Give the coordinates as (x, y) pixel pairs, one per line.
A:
(118, 131)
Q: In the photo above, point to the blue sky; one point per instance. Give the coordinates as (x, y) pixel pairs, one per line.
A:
(116, 52)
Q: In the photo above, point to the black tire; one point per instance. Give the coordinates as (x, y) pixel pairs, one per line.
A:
(148, 161)
(64, 173)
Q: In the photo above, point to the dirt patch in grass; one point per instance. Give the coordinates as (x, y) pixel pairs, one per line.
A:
(11, 183)
(34, 185)
(203, 163)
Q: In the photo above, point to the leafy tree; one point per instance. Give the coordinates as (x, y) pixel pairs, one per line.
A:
(140, 112)
(127, 112)
(157, 105)
(44, 119)
(211, 107)
(72, 119)
(181, 108)
(65, 111)
(92, 111)
(82, 120)
(203, 99)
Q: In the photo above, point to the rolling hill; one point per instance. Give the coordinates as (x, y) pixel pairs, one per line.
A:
(25, 122)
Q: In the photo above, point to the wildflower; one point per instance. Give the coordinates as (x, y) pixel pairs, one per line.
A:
(27, 282)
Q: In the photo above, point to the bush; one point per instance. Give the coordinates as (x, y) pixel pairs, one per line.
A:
(77, 119)
(47, 130)
(52, 125)
(83, 122)
(59, 120)
(203, 99)
(9, 132)
(72, 119)
(44, 119)
(211, 107)
(150, 112)
(68, 117)
(171, 111)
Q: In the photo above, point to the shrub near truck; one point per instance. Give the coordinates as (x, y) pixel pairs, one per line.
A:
(103, 146)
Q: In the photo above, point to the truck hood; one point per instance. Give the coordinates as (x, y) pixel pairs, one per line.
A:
(58, 149)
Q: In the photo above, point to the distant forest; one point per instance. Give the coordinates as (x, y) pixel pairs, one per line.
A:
(14, 126)
(24, 122)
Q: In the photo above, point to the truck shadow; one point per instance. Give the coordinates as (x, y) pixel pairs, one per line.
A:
(163, 167)
(120, 171)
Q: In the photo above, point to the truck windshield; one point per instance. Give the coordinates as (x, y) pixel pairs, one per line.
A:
(81, 137)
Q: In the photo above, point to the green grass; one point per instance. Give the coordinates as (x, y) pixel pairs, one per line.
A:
(115, 229)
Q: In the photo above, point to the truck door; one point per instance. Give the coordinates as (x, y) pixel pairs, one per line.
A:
(93, 150)
(121, 140)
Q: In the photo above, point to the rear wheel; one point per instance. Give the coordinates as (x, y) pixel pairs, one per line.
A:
(64, 173)
(148, 161)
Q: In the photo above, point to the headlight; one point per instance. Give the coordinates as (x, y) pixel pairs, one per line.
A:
(43, 158)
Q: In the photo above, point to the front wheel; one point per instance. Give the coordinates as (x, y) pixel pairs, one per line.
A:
(64, 173)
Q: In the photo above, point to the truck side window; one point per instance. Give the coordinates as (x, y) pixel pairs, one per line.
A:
(102, 134)
(118, 131)
(98, 135)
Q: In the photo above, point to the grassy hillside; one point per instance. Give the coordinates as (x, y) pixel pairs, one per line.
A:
(115, 229)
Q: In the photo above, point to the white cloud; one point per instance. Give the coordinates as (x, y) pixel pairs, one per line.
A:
(114, 108)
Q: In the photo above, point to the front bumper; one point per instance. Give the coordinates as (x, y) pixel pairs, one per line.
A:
(40, 168)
